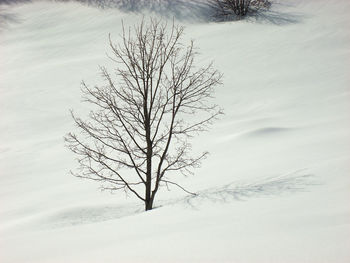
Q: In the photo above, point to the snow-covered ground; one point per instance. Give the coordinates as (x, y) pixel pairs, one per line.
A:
(276, 187)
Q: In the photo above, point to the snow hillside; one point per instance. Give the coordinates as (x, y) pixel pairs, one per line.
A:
(275, 188)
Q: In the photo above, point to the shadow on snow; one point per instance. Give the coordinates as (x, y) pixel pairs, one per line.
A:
(237, 191)
(194, 10)
(241, 191)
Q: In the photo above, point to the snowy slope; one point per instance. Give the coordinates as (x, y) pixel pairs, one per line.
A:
(275, 187)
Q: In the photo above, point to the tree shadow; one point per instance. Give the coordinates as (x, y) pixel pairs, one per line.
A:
(275, 17)
(194, 10)
(241, 191)
(272, 187)
(89, 214)
(7, 18)
(13, 2)
(180, 9)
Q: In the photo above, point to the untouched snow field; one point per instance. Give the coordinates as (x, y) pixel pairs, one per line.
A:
(276, 187)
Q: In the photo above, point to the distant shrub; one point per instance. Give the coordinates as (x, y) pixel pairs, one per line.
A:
(240, 8)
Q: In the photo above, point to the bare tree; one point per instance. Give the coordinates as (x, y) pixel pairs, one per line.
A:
(240, 8)
(143, 119)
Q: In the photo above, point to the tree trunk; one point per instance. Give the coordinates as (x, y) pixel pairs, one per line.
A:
(148, 194)
(149, 204)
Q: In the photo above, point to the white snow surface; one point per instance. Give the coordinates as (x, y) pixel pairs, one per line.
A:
(275, 188)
